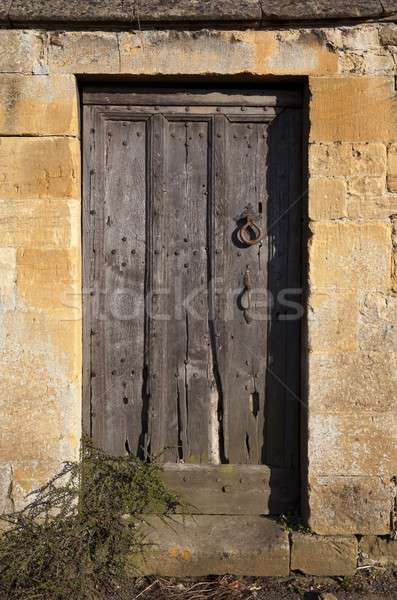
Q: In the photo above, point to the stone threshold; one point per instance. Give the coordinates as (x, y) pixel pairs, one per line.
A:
(164, 12)
(203, 545)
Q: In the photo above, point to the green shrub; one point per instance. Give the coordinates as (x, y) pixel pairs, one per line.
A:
(73, 538)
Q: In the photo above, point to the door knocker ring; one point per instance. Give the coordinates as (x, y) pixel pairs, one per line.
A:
(250, 233)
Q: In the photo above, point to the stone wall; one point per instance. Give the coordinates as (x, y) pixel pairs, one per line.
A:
(351, 396)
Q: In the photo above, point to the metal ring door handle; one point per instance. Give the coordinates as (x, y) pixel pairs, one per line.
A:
(251, 233)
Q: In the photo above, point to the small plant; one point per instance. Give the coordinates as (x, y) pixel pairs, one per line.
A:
(73, 538)
(346, 583)
(292, 522)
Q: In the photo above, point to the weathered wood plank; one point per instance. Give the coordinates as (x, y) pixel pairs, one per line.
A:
(183, 260)
(243, 354)
(143, 96)
(119, 276)
(233, 489)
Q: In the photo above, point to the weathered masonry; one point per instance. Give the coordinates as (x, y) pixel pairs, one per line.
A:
(162, 165)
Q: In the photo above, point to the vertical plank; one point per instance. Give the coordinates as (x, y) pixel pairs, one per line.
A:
(119, 268)
(180, 267)
(243, 345)
(158, 284)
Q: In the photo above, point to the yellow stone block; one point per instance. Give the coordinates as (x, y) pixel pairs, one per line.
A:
(191, 52)
(365, 444)
(38, 105)
(367, 186)
(50, 280)
(377, 329)
(200, 52)
(346, 256)
(39, 167)
(353, 109)
(347, 160)
(327, 198)
(371, 207)
(22, 51)
(40, 223)
(83, 52)
(333, 322)
(40, 394)
(342, 505)
(353, 382)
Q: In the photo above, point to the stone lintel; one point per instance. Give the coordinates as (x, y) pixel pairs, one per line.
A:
(137, 12)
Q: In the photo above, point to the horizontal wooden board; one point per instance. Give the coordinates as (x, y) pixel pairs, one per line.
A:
(233, 489)
(173, 97)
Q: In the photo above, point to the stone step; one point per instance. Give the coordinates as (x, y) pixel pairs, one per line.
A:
(202, 545)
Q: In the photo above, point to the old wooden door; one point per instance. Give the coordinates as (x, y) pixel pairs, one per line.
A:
(192, 276)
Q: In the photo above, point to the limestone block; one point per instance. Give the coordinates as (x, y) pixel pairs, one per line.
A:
(392, 168)
(378, 551)
(39, 167)
(327, 198)
(38, 105)
(377, 324)
(379, 63)
(353, 109)
(40, 223)
(50, 280)
(363, 444)
(296, 52)
(347, 160)
(8, 277)
(83, 52)
(346, 505)
(208, 545)
(324, 555)
(22, 52)
(353, 382)
(360, 38)
(204, 51)
(388, 34)
(369, 208)
(31, 474)
(225, 52)
(349, 256)
(333, 322)
(367, 186)
(40, 390)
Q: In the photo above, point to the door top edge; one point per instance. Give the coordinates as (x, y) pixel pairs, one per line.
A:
(184, 97)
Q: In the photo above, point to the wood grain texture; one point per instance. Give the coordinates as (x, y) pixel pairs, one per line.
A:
(232, 489)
